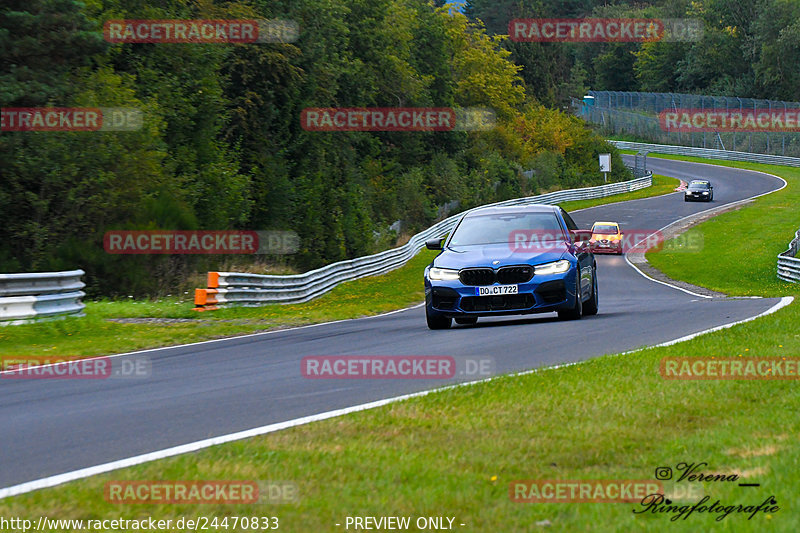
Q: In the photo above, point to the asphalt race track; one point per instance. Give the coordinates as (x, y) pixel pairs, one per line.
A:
(210, 389)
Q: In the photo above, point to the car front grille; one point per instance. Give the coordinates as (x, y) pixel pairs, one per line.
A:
(477, 276)
(507, 302)
(505, 275)
(514, 274)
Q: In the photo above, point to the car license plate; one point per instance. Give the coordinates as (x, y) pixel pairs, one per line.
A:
(497, 290)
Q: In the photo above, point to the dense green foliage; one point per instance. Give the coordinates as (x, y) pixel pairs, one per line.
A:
(749, 48)
(222, 146)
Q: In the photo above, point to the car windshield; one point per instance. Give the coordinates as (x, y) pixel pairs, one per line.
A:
(501, 228)
(604, 229)
(698, 186)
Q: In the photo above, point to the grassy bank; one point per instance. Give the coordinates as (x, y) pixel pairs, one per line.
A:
(740, 248)
(661, 185)
(454, 453)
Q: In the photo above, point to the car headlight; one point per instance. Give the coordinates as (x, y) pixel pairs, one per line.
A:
(705, 192)
(442, 274)
(557, 267)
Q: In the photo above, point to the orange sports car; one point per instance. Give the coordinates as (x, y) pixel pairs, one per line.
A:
(606, 237)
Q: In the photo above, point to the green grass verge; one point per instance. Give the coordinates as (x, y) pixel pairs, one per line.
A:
(661, 185)
(454, 453)
(740, 248)
(94, 334)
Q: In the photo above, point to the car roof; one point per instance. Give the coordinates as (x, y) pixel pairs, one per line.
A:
(506, 209)
(606, 223)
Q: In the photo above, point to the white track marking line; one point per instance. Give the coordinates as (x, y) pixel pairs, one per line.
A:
(66, 477)
(235, 337)
(784, 301)
(687, 291)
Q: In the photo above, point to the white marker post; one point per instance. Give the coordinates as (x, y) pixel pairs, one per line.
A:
(605, 166)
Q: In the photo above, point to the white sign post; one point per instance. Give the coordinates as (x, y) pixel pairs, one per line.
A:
(605, 166)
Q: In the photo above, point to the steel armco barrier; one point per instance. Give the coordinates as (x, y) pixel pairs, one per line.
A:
(234, 288)
(788, 263)
(726, 155)
(29, 297)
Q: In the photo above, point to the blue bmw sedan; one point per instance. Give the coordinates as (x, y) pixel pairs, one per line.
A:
(509, 261)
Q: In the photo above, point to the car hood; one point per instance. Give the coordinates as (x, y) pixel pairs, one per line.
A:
(484, 255)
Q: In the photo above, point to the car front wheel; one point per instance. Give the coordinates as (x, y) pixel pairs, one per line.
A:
(437, 321)
(592, 303)
(576, 312)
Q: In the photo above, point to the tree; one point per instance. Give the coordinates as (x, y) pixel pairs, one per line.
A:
(42, 41)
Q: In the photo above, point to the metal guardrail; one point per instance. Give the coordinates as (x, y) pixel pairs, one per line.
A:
(27, 297)
(726, 155)
(788, 263)
(234, 288)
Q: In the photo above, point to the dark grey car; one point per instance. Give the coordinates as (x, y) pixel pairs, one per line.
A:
(699, 190)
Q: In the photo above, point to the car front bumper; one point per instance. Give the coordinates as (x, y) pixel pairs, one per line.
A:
(697, 197)
(544, 293)
(599, 247)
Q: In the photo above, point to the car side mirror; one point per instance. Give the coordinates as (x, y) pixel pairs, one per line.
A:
(434, 244)
(581, 236)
